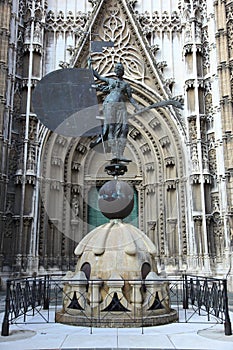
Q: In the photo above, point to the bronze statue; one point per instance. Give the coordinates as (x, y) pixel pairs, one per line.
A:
(115, 129)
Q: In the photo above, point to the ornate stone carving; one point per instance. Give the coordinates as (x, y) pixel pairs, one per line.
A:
(115, 28)
(229, 18)
(164, 141)
(94, 2)
(170, 185)
(135, 134)
(196, 178)
(205, 50)
(194, 156)
(31, 160)
(55, 185)
(37, 35)
(145, 148)
(159, 22)
(76, 188)
(75, 207)
(132, 3)
(56, 161)
(61, 140)
(70, 22)
(190, 83)
(150, 167)
(81, 148)
(212, 161)
(150, 188)
(75, 165)
(192, 129)
(154, 123)
(169, 161)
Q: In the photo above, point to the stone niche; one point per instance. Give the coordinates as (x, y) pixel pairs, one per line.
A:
(116, 283)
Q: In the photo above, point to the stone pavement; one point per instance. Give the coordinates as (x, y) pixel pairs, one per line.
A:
(52, 336)
(55, 336)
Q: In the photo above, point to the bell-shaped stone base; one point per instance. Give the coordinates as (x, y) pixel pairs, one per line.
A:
(117, 320)
(116, 282)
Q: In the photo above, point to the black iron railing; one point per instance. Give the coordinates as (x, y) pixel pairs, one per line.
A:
(39, 300)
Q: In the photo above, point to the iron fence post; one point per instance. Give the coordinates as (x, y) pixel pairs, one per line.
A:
(227, 323)
(5, 324)
(46, 292)
(185, 292)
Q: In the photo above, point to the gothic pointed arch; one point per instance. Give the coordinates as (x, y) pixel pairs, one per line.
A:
(156, 146)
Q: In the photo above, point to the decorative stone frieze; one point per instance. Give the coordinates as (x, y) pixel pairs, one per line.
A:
(76, 188)
(190, 83)
(170, 184)
(55, 185)
(150, 188)
(164, 141)
(169, 161)
(145, 148)
(75, 165)
(135, 134)
(61, 140)
(150, 167)
(65, 22)
(154, 123)
(56, 161)
(159, 22)
(81, 148)
(195, 178)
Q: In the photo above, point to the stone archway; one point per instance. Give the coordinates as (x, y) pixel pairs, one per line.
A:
(157, 172)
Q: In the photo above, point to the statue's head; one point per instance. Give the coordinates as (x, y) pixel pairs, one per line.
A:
(119, 69)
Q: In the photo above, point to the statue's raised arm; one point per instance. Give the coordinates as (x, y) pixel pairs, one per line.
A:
(115, 129)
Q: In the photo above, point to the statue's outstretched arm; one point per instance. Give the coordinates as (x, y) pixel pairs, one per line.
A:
(173, 102)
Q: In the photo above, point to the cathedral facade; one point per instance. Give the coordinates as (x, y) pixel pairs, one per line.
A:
(182, 160)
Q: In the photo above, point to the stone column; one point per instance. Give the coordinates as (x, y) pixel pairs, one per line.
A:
(136, 295)
(95, 295)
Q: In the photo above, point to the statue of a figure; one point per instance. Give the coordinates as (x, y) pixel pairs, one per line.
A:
(115, 128)
(75, 207)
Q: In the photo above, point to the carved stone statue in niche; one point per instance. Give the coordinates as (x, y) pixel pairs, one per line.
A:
(37, 33)
(75, 208)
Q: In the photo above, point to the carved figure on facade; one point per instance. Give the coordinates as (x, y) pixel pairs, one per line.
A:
(188, 33)
(75, 207)
(195, 162)
(37, 36)
(27, 35)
